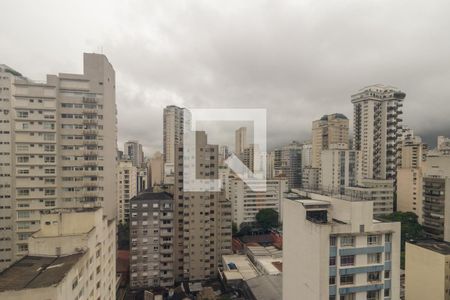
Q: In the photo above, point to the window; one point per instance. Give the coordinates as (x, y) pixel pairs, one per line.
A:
(373, 240)
(372, 295)
(332, 241)
(347, 241)
(332, 261)
(388, 238)
(387, 292)
(347, 260)
(373, 276)
(374, 258)
(347, 279)
(387, 274)
(332, 280)
(387, 256)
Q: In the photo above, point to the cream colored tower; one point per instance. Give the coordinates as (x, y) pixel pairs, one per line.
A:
(330, 132)
(61, 153)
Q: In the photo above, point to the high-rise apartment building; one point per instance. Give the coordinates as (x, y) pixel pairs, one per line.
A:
(173, 128)
(132, 150)
(377, 129)
(334, 249)
(202, 232)
(58, 147)
(291, 163)
(328, 132)
(72, 256)
(340, 169)
(410, 175)
(240, 140)
(246, 203)
(126, 189)
(274, 164)
(156, 169)
(151, 240)
(307, 155)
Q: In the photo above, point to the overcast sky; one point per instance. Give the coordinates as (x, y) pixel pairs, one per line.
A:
(298, 59)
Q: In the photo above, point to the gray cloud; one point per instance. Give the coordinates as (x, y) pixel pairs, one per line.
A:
(298, 59)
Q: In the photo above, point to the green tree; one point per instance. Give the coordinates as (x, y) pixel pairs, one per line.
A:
(267, 218)
(410, 229)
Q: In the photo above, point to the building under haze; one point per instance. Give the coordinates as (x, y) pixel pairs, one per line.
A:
(57, 148)
(377, 129)
(132, 150)
(240, 141)
(329, 132)
(173, 124)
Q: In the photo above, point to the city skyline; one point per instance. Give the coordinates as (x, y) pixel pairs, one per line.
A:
(192, 65)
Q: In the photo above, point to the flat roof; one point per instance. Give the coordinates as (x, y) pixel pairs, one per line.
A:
(37, 272)
(266, 287)
(441, 247)
(238, 264)
(149, 194)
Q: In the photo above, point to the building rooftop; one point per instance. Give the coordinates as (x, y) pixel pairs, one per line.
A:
(238, 267)
(37, 272)
(336, 115)
(149, 194)
(266, 287)
(441, 247)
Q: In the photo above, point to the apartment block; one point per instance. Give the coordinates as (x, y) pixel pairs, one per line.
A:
(377, 129)
(427, 270)
(410, 175)
(443, 145)
(58, 147)
(334, 249)
(380, 192)
(132, 151)
(327, 133)
(151, 240)
(340, 169)
(202, 232)
(246, 203)
(126, 189)
(240, 140)
(173, 128)
(291, 163)
(311, 178)
(307, 155)
(67, 259)
(156, 169)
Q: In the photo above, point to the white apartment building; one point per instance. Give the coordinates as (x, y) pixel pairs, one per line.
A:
(311, 178)
(132, 150)
(58, 148)
(126, 189)
(380, 192)
(335, 250)
(67, 259)
(246, 203)
(291, 163)
(151, 240)
(377, 129)
(328, 131)
(173, 125)
(340, 169)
